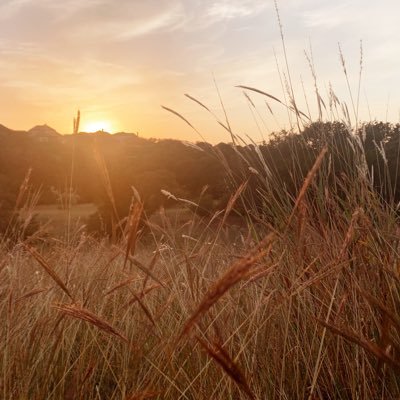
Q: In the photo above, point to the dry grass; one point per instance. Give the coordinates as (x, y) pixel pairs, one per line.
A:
(303, 306)
(308, 312)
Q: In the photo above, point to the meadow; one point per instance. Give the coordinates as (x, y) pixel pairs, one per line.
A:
(303, 304)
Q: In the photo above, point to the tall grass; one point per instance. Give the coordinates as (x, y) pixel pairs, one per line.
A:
(309, 312)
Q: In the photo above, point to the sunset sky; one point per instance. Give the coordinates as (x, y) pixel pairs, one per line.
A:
(118, 61)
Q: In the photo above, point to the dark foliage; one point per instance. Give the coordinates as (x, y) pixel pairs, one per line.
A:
(125, 161)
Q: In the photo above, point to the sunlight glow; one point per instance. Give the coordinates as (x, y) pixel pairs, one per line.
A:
(95, 126)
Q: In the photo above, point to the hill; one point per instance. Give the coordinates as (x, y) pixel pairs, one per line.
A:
(43, 131)
(7, 131)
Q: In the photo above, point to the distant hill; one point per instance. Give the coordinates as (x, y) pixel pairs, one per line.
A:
(46, 132)
(5, 131)
(43, 131)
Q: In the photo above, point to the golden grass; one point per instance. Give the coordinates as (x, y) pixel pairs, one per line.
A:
(78, 312)
(286, 320)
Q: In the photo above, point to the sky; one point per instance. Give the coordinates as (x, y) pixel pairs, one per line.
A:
(119, 61)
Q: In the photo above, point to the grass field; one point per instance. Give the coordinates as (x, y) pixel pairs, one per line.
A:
(55, 219)
(304, 308)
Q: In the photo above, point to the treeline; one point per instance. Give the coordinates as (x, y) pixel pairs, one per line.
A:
(106, 169)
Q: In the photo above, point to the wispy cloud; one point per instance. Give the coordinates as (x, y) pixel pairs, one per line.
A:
(9, 8)
(168, 20)
(229, 9)
(130, 24)
(330, 17)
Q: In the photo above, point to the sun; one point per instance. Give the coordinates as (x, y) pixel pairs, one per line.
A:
(96, 126)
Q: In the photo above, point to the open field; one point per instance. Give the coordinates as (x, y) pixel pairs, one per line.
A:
(301, 306)
(55, 219)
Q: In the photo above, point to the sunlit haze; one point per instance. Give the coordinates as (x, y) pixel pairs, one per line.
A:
(119, 61)
(95, 126)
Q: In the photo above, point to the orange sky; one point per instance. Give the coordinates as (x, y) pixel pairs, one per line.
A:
(118, 61)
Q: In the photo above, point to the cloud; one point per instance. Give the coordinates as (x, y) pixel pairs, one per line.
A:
(166, 21)
(118, 21)
(9, 8)
(228, 9)
(329, 17)
(128, 25)
(42, 76)
(132, 17)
